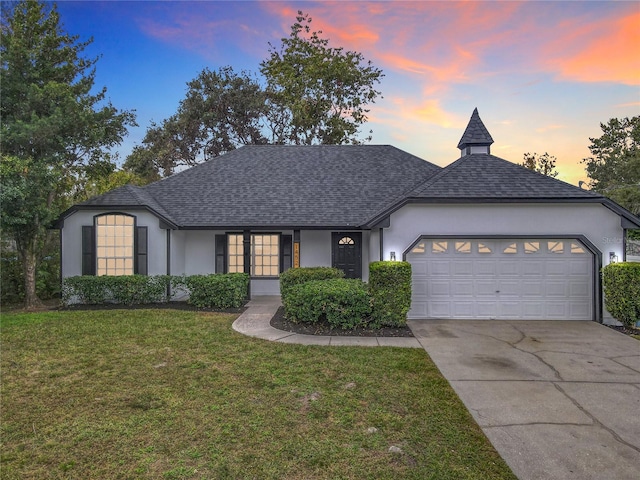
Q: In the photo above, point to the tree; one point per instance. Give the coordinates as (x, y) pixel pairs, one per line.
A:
(222, 111)
(54, 128)
(320, 92)
(614, 165)
(544, 164)
(313, 94)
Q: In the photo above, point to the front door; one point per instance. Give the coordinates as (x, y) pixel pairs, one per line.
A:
(346, 253)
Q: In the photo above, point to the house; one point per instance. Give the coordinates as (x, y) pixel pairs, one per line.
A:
(486, 238)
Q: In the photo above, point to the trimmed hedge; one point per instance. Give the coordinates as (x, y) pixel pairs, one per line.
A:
(296, 276)
(390, 290)
(205, 291)
(229, 290)
(621, 282)
(125, 289)
(345, 303)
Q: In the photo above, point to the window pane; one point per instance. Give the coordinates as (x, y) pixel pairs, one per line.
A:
(114, 242)
(555, 247)
(511, 248)
(463, 247)
(265, 255)
(531, 247)
(440, 247)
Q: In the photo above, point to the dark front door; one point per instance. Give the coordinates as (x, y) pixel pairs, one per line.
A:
(346, 252)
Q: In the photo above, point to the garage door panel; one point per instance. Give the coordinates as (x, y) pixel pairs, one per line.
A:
(438, 309)
(462, 268)
(509, 309)
(486, 288)
(579, 289)
(484, 268)
(532, 268)
(464, 309)
(555, 310)
(442, 288)
(463, 288)
(486, 309)
(578, 267)
(510, 279)
(555, 289)
(509, 268)
(439, 267)
(533, 310)
(532, 288)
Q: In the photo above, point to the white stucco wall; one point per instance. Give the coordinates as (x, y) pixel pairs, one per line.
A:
(72, 241)
(597, 223)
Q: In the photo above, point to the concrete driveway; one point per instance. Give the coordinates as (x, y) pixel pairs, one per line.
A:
(557, 399)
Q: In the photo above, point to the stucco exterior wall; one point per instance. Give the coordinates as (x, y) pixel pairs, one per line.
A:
(72, 241)
(598, 224)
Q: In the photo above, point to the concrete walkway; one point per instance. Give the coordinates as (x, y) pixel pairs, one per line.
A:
(255, 322)
(557, 399)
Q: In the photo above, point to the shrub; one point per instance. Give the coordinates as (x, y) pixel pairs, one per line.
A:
(297, 276)
(390, 290)
(124, 289)
(345, 303)
(621, 282)
(229, 290)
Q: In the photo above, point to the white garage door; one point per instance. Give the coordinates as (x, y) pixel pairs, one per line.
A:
(529, 279)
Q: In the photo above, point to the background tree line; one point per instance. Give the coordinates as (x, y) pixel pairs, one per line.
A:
(58, 132)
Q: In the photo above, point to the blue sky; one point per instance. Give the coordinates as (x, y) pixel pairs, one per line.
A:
(543, 75)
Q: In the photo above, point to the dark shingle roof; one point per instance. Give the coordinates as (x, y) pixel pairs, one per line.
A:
(128, 196)
(475, 133)
(277, 186)
(483, 176)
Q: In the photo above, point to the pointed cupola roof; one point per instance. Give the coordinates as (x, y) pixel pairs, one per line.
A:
(475, 135)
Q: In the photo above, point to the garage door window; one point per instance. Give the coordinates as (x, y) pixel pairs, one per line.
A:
(555, 247)
(440, 247)
(531, 247)
(511, 248)
(484, 248)
(463, 247)
(576, 248)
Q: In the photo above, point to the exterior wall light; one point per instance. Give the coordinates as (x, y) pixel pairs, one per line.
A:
(613, 258)
(392, 257)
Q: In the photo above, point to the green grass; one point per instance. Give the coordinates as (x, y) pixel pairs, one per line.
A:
(174, 394)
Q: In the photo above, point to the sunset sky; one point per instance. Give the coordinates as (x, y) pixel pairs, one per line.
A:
(543, 75)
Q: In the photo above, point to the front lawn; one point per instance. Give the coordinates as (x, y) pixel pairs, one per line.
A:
(179, 394)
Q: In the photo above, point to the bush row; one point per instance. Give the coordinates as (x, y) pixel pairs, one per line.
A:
(621, 283)
(205, 291)
(312, 294)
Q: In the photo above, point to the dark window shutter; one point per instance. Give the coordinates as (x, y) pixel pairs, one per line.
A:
(221, 253)
(141, 251)
(88, 250)
(286, 250)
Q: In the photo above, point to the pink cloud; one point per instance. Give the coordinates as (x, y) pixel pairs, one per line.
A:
(603, 51)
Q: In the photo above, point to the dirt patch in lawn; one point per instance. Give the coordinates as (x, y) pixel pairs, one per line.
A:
(323, 328)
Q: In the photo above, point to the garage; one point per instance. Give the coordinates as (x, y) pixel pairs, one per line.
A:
(506, 278)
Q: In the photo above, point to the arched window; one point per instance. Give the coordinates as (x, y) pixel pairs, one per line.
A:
(115, 244)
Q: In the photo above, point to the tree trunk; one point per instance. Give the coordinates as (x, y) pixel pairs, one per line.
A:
(29, 260)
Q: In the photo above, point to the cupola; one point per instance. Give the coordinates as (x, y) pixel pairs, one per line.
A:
(476, 137)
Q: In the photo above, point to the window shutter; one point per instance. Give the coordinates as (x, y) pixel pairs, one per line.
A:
(141, 263)
(286, 247)
(221, 253)
(88, 250)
